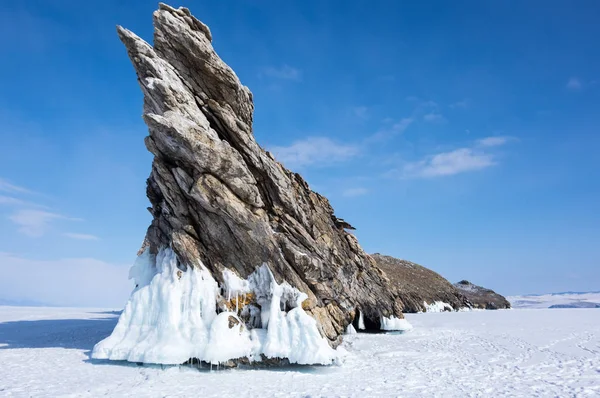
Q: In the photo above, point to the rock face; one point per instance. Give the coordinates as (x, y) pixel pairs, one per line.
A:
(482, 298)
(222, 202)
(418, 286)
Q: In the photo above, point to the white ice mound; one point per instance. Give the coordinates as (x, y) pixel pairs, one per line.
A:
(171, 317)
(437, 306)
(394, 323)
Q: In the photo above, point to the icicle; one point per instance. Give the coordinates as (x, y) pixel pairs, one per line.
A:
(361, 321)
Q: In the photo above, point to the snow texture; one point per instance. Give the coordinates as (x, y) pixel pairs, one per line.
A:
(44, 352)
(172, 317)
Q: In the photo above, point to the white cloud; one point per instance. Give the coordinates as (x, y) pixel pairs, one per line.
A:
(73, 235)
(30, 218)
(69, 282)
(448, 163)
(493, 141)
(421, 103)
(9, 200)
(12, 201)
(352, 192)
(317, 151)
(6, 186)
(35, 223)
(402, 125)
(285, 72)
(574, 84)
(434, 117)
(389, 132)
(428, 104)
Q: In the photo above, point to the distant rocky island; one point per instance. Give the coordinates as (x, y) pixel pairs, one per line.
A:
(480, 297)
(424, 290)
(243, 262)
(557, 300)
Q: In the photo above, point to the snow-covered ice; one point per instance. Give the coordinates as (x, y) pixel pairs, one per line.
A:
(45, 352)
(393, 323)
(556, 300)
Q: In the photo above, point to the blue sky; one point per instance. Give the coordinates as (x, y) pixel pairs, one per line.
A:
(460, 135)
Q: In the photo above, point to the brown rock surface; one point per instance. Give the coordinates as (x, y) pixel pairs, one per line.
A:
(416, 284)
(482, 298)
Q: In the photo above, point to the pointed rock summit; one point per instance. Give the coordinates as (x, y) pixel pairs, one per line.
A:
(225, 206)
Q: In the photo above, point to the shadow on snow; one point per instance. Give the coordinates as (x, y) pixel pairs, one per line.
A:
(56, 333)
(83, 334)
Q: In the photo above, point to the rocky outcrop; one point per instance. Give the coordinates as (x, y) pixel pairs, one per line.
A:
(222, 202)
(418, 286)
(480, 297)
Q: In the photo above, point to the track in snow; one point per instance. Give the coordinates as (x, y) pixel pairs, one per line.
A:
(45, 352)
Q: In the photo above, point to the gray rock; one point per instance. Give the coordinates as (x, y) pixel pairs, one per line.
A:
(221, 200)
(482, 298)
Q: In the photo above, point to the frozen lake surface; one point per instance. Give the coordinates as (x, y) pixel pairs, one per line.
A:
(530, 352)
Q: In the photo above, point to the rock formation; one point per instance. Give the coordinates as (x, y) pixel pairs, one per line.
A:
(480, 297)
(421, 289)
(223, 204)
(418, 287)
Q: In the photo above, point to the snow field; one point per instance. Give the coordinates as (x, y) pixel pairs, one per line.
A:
(45, 352)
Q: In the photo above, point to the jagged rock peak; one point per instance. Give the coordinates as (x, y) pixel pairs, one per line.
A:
(220, 201)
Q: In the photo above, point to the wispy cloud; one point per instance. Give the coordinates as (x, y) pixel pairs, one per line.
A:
(434, 117)
(361, 112)
(463, 104)
(77, 236)
(493, 141)
(17, 202)
(390, 131)
(457, 161)
(9, 200)
(574, 84)
(314, 151)
(449, 163)
(34, 223)
(353, 192)
(284, 72)
(31, 218)
(6, 186)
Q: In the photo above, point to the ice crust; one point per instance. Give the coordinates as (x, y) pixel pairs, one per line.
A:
(171, 317)
(393, 323)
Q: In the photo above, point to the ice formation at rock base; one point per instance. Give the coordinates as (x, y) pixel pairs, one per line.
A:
(438, 306)
(177, 313)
